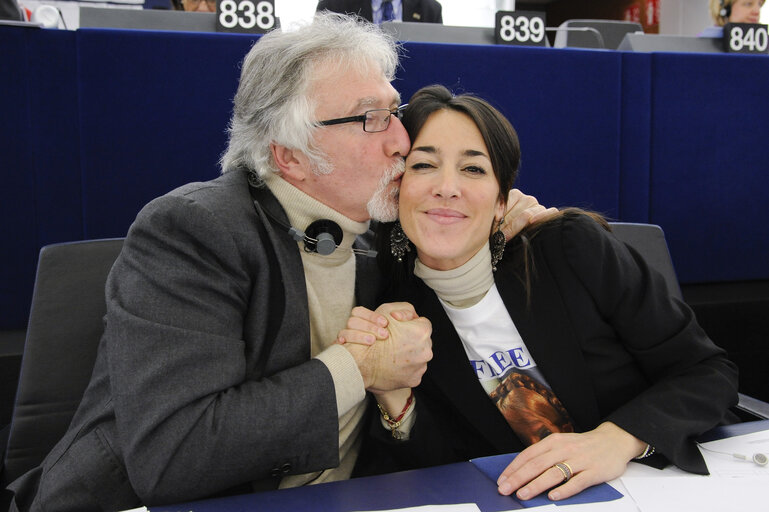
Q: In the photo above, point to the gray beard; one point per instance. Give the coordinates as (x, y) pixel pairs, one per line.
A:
(383, 205)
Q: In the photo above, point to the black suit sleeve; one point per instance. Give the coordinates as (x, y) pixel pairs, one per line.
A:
(691, 383)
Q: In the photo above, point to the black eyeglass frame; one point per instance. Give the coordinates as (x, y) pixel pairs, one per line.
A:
(397, 112)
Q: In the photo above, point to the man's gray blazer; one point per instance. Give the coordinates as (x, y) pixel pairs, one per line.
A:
(203, 380)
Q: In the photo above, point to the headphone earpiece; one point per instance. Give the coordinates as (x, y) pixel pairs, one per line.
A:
(322, 236)
(726, 10)
(760, 459)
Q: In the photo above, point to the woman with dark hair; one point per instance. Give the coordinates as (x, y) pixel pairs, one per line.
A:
(561, 344)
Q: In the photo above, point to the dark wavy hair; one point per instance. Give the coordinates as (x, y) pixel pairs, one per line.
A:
(498, 134)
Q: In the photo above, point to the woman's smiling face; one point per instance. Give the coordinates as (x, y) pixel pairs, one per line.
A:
(449, 197)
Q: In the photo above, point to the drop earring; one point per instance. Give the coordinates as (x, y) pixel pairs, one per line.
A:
(399, 242)
(497, 244)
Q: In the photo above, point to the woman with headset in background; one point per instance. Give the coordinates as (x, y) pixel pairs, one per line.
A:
(732, 11)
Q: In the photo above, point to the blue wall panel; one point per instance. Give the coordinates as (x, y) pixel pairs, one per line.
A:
(155, 108)
(709, 172)
(564, 104)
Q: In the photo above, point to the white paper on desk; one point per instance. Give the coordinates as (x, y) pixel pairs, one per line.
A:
(459, 507)
(725, 465)
(733, 484)
(698, 493)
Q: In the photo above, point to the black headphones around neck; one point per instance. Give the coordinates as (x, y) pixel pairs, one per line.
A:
(322, 236)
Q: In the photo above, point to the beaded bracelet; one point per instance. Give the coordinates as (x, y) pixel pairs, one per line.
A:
(649, 451)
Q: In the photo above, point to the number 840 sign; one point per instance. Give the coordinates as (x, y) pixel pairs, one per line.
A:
(746, 38)
(253, 16)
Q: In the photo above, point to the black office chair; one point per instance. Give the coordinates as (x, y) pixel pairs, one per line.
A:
(593, 33)
(649, 241)
(65, 325)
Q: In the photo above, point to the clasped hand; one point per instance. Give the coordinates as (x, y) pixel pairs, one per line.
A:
(391, 345)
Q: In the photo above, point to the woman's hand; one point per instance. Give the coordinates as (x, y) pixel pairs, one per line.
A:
(364, 326)
(523, 210)
(593, 457)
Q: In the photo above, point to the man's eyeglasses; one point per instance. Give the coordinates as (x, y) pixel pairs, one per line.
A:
(376, 120)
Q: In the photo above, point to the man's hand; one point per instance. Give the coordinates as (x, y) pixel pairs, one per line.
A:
(523, 210)
(365, 326)
(398, 361)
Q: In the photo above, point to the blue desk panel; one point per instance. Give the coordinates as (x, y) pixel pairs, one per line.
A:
(440, 485)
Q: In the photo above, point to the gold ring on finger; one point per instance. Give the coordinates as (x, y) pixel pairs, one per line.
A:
(565, 469)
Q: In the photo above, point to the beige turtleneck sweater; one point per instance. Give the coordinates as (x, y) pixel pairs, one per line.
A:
(463, 286)
(330, 284)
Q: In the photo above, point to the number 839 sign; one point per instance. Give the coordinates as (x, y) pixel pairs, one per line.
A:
(253, 16)
(520, 28)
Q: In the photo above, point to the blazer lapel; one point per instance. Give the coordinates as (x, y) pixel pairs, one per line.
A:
(289, 313)
(450, 372)
(546, 329)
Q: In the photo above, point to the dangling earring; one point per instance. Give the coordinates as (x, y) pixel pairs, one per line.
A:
(399, 242)
(497, 243)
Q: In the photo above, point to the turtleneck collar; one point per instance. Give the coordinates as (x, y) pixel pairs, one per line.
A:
(302, 210)
(463, 286)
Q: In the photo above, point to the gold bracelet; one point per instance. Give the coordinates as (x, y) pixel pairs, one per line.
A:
(395, 423)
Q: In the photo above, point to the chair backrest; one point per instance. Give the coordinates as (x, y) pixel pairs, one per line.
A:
(649, 241)
(594, 33)
(65, 325)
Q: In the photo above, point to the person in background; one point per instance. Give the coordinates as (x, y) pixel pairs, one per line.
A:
(732, 11)
(194, 5)
(9, 10)
(563, 345)
(378, 11)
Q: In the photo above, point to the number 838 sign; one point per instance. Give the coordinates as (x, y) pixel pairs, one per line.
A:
(253, 16)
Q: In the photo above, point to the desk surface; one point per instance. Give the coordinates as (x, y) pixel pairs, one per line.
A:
(441, 485)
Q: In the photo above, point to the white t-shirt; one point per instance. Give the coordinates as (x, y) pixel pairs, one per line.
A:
(506, 370)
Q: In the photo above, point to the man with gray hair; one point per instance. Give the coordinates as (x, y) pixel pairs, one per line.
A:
(218, 371)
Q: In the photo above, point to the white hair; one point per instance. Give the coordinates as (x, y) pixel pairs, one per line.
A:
(273, 103)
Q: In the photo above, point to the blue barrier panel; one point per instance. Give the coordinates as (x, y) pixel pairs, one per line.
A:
(154, 113)
(565, 105)
(635, 151)
(40, 170)
(709, 179)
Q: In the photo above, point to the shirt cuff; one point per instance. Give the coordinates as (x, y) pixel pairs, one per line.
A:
(348, 382)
